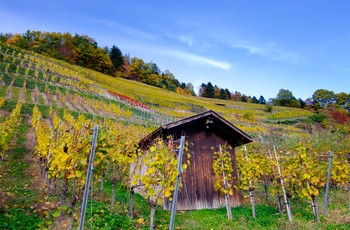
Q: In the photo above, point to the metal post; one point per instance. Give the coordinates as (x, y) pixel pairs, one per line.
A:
(88, 178)
(251, 189)
(179, 169)
(327, 183)
(289, 212)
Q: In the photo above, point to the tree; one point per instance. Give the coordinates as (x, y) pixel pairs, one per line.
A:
(116, 57)
(223, 94)
(190, 88)
(17, 40)
(202, 90)
(186, 89)
(210, 90)
(136, 67)
(236, 96)
(294, 103)
(286, 98)
(342, 99)
(154, 79)
(216, 92)
(207, 90)
(262, 100)
(78, 49)
(228, 93)
(322, 98)
(5, 37)
(125, 68)
(255, 100)
(302, 103)
(283, 97)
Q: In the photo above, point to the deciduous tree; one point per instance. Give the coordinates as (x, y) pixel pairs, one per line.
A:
(322, 98)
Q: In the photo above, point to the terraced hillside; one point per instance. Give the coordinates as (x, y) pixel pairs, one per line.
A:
(53, 81)
(45, 154)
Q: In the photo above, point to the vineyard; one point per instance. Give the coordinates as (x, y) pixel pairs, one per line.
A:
(295, 174)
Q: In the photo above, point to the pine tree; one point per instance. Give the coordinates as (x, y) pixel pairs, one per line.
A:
(223, 94)
(262, 100)
(116, 57)
(210, 90)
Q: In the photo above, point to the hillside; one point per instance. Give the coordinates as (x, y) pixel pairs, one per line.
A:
(126, 111)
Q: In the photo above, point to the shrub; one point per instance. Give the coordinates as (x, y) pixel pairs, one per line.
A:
(339, 117)
(249, 117)
(318, 117)
(268, 107)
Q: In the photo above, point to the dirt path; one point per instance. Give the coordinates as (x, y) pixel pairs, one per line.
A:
(69, 105)
(31, 157)
(4, 113)
(88, 109)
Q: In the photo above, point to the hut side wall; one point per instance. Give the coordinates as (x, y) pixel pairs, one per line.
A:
(199, 176)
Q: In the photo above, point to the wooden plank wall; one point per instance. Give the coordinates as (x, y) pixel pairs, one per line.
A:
(199, 176)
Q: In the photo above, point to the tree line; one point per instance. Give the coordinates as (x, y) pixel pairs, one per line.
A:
(321, 99)
(84, 51)
(210, 91)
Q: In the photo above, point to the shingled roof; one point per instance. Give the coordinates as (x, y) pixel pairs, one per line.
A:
(209, 120)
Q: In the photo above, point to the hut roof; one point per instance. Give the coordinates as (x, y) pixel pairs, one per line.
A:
(207, 120)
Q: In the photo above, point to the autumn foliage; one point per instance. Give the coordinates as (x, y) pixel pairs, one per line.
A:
(128, 99)
(339, 117)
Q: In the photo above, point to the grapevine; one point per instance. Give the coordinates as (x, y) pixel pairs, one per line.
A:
(8, 128)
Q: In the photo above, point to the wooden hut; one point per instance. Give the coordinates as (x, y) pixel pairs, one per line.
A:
(202, 131)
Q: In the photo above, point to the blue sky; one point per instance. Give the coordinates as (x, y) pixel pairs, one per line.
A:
(254, 47)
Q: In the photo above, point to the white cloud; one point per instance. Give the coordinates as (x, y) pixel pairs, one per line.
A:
(186, 39)
(201, 60)
(125, 29)
(270, 51)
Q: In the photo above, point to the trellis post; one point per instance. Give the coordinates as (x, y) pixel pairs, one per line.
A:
(88, 178)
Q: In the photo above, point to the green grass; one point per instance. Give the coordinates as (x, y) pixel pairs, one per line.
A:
(9, 105)
(41, 99)
(17, 212)
(19, 218)
(18, 81)
(267, 217)
(15, 93)
(7, 78)
(54, 104)
(3, 91)
(28, 98)
(30, 83)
